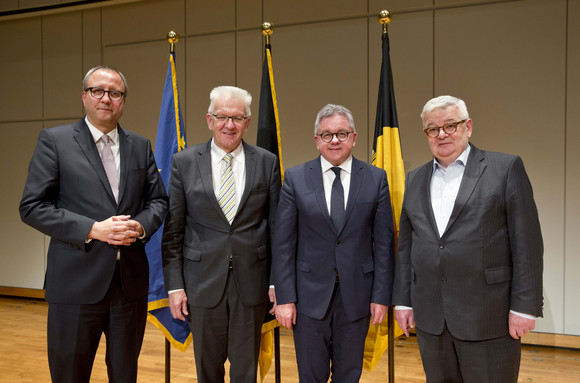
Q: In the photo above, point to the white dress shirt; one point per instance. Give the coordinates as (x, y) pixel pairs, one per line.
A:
(238, 169)
(328, 177)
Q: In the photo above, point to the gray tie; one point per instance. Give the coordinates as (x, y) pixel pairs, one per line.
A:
(227, 193)
(337, 200)
(110, 166)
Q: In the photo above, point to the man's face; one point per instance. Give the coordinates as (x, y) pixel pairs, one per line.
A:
(335, 151)
(447, 147)
(228, 134)
(104, 113)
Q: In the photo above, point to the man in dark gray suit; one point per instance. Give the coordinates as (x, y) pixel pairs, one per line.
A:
(216, 243)
(470, 256)
(333, 255)
(95, 190)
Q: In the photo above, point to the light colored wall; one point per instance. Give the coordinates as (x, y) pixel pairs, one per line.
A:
(516, 63)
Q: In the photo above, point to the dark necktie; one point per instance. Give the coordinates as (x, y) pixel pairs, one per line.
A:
(110, 166)
(337, 200)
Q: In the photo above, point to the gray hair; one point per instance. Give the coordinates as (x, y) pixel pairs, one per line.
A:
(330, 110)
(444, 102)
(107, 68)
(223, 93)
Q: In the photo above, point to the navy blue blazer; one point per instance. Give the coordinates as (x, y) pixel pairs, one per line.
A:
(308, 252)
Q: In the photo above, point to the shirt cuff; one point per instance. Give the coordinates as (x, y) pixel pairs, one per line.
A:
(528, 316)
(399, 307)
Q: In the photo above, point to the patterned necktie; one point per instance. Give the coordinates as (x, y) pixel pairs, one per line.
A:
(110, 166)
(337, 200)
(227, 194)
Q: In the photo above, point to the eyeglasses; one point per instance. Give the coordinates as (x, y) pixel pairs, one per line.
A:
(340, 136)
(237, 120)
(98, 93)
(448, 128)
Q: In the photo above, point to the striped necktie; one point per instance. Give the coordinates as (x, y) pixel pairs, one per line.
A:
(227, 194)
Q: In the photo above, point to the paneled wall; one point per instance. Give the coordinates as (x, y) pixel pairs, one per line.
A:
(516, 64)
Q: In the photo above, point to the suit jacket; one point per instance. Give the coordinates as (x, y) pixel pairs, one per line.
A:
(308, 252)
(488, 260)
(67, 190)
(198, 241)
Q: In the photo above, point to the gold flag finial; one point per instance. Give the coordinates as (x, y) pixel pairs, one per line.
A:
(172, 38)
(385, 19)
(267, 30)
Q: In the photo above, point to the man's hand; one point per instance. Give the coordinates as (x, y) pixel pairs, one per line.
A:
(406, 320)
(520, 326)
(117, 230)
(286, 315)
(178, 305)
(272, 295)
(378, 313)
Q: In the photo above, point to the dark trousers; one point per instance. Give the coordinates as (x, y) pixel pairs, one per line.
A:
(231, 331)
(448, 359)
(333, 344)
(74, 332)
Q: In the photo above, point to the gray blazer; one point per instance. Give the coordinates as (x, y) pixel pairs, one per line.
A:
(198, 241)
(489, 259)
(67, 190)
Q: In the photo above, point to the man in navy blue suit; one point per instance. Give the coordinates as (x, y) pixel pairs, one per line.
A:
(333, 253)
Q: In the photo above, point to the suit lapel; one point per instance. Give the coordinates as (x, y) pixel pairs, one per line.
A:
(357, 178)
(424, 176)
(205, 173)
(250, 157)
(471, 175)
(85, 140)
(125, 151)
(314, 179)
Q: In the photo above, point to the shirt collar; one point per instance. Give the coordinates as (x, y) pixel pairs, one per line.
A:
(97, 134)
(346, 165)
(462, 159)
(219, 153)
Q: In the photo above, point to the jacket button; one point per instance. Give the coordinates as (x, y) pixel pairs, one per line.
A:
(337, 243)
(441, 245)
(443, 279)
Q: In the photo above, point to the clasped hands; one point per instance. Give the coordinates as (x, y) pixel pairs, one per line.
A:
(117, 230)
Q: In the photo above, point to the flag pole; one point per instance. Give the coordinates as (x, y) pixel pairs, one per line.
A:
(267, 30)
(385, 19)
(173, 39)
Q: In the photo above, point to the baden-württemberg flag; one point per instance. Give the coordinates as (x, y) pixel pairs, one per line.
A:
(269, 139)
(386, 155)
(170, 139)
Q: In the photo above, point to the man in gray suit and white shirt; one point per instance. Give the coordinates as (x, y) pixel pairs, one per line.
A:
(216, 243)
(470, 255)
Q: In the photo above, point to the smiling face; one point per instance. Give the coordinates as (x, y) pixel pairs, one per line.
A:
(227, 135)
(446, 148)
(335, 151)
(104, 113)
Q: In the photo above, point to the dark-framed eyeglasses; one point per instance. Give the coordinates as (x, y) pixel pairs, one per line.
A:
(237, 120)
(448, 128)
(98, 93)
(340, 136)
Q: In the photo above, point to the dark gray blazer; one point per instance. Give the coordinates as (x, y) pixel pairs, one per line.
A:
(489, 259)
(67, 190)
(198, 240)
(309, 252)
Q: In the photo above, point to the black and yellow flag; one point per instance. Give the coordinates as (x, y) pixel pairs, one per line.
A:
(386, 155)
(269, 139)
(268, 122)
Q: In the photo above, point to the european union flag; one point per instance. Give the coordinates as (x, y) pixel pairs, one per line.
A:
(170, 139)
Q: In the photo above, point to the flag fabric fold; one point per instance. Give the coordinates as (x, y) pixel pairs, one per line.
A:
(269, 139)
(170, 139)
(386, 155)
